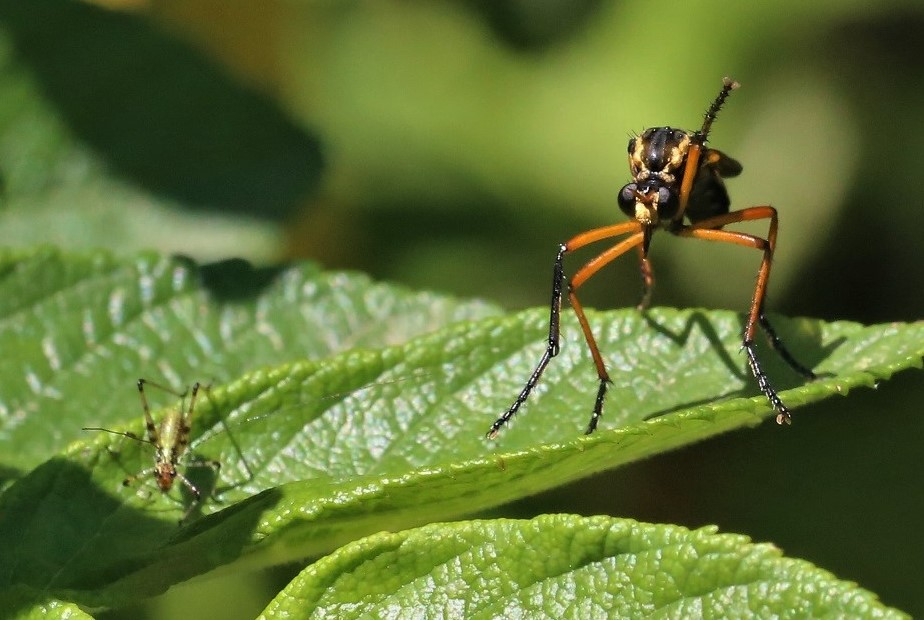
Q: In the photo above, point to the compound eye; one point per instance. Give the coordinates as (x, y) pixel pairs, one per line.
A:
(667, 203)
(626, 199)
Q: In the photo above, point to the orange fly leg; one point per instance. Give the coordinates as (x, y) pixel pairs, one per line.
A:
(709, 229)
(558, 283)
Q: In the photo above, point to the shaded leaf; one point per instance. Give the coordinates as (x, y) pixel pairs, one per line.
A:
(25, 604)
(175, 122)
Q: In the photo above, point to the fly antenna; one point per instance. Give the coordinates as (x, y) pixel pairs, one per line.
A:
(728, 85)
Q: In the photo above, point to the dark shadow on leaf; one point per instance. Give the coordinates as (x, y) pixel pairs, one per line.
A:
(536, 27)
(63, 534)
(191, 550)
(237, 279)
(161, 113)
(805, 346)
(699, 319)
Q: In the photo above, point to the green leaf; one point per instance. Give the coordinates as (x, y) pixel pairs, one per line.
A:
(76, 331)
(167, 128)
(564, 566)
(139, 174)
(316, 454)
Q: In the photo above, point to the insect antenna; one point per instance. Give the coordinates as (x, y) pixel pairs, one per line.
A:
(728, 85)
(331, 398)
(130, 435)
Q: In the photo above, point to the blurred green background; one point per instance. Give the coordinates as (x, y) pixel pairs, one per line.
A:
(452, 146)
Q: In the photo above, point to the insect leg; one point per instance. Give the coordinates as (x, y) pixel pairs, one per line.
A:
(197, 497)
(709, 229)
(582, 275)
(551, 349)
(182, 439)
(148, 420)
(207, 390)
(552, 344)
(192, 488)
(130, 480)
(689, 175)
(781, 349)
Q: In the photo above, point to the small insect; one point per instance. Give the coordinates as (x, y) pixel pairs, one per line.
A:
(170, 441)
(674, 176)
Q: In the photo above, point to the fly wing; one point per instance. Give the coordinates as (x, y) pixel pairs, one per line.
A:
(725, 166)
